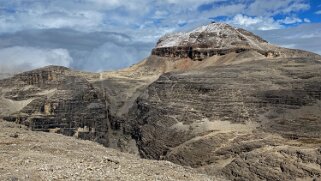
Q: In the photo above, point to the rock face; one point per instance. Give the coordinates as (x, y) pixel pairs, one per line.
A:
(246, 110)
(202, 118)
(55, 99)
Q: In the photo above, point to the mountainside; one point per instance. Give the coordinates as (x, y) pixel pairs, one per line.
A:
(219, 99)
(249, 113)
(55, 99)
(230, 117)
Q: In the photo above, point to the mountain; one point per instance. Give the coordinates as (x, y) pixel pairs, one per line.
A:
(219, 99)
(250, 111)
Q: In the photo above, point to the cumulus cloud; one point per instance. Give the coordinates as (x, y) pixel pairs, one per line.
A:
(255, 23)
(16, 59)
(291, 20)
(264, 23)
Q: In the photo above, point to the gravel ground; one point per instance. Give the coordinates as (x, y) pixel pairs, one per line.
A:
(27, 155)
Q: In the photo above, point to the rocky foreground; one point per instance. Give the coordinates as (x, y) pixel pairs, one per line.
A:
(28, 155)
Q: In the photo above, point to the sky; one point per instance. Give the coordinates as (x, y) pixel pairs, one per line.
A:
(100, 35)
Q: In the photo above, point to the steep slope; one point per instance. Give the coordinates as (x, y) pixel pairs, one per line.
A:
(124, 86)
(56, 99)
(27, 155)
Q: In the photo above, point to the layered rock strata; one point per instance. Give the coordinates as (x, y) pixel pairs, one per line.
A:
(56, 99)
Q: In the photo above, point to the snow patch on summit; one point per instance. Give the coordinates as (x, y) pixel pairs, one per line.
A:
(176, 39)
(173, 39)
(215, 35)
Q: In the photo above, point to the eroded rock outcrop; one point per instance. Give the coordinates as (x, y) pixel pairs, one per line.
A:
(56, 99)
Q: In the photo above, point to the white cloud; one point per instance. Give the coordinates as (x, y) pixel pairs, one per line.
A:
(134, 17)
(318, 12)
(34, 19)
(291, 20)
(110, 3)
(254, 23)
(245, 20)
(192, 2)
(112, 15)
(15, 59)
(306, 20)
(296, 6)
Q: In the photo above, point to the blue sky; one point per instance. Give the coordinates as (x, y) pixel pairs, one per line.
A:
(97, 35)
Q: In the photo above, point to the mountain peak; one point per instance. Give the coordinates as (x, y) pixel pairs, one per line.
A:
(217, 39)
(212, 27)
(213, 35)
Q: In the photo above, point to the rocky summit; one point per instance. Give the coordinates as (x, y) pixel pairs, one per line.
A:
(217, 39)
(218, 99)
